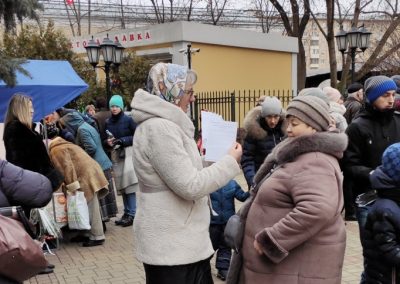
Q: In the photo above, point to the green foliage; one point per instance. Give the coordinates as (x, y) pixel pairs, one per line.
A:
(132, 75)
(8, 68)
(38, 43)
(88, 74)
(20, 9)
(47, 43)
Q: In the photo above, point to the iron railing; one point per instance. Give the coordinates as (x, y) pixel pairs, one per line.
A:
(234, 105)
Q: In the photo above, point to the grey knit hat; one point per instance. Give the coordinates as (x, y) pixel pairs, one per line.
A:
(377, 86)
(271, 106)
(311, 110)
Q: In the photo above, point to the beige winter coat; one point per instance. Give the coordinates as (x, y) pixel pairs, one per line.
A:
(173, 213)
(296, 214)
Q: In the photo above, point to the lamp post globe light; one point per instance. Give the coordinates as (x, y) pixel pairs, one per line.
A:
(112, 55)
(348, 42)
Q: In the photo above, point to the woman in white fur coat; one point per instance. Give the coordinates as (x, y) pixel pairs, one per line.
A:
(173, 205)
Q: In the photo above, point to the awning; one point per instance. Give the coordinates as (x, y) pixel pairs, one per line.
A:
(53, 84)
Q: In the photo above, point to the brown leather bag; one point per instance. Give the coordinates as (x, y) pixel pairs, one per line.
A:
(20, 256)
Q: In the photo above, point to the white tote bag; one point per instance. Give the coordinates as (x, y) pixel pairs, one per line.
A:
(78, 212)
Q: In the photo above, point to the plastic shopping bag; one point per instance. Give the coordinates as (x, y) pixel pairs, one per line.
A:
(78, 212)
(57, 208)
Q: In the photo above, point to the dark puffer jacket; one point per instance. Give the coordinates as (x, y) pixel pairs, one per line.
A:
(259, 141)
(22, 187)
(380, 239)
(369, 135)
(122, 127)
(223, 201)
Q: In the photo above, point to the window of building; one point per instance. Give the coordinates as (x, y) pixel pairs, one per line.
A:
(314, 61)
(314, 42)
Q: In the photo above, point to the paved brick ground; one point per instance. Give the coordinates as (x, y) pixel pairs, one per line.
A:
(114, 262)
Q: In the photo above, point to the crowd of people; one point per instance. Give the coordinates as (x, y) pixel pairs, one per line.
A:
(309, 167)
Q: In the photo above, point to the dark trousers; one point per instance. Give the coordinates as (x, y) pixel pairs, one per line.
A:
(348, 196)
(224, 252)
(362, 215)
(193, 273)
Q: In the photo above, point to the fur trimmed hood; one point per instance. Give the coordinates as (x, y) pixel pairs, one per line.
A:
(331, 143)
(252, 126)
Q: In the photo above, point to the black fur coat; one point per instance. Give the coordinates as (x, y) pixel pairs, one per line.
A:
(25, 148)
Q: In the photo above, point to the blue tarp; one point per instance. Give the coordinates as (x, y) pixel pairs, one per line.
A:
(53, 84)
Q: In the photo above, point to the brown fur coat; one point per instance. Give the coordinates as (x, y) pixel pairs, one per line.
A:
(81, 172)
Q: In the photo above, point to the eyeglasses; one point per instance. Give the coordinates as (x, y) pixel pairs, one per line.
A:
(189, 92)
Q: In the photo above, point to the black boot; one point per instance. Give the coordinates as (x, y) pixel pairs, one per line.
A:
(120, 221)
(128, 221)
(47, 270)
(92, 243)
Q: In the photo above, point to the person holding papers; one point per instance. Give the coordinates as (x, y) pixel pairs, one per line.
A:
(173, 204)
(264, 126)
(294, 230)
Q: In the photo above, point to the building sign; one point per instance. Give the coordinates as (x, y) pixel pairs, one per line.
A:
(129, 39)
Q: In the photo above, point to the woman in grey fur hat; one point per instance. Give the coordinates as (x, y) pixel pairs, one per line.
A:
(294, 231)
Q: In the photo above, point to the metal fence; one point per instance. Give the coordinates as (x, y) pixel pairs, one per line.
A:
(234, 105)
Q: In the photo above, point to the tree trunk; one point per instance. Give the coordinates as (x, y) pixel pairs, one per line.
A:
(89, 16)
(301, 66)
(69, 19)
(122, 16)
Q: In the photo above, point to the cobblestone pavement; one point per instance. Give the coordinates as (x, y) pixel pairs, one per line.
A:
(114, 262)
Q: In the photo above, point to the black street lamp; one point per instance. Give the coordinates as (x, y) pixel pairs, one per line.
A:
(351, 40)
(112, 54)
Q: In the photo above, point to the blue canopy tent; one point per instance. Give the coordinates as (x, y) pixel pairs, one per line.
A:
(53, 84)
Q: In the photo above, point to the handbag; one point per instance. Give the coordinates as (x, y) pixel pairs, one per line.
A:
(234, 229)
(78, 211)
(17, 213)
(20, 256)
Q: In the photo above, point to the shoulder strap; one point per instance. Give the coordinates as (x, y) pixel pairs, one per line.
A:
(256, 187)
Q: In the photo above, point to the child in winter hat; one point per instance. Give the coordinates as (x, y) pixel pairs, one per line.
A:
(381, 230)
(271, 106)
(117, 100)
(312, 110)
(377, 86)
(170, 81)
(391, 162)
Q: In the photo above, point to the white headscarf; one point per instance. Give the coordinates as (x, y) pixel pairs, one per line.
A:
(169, 81)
